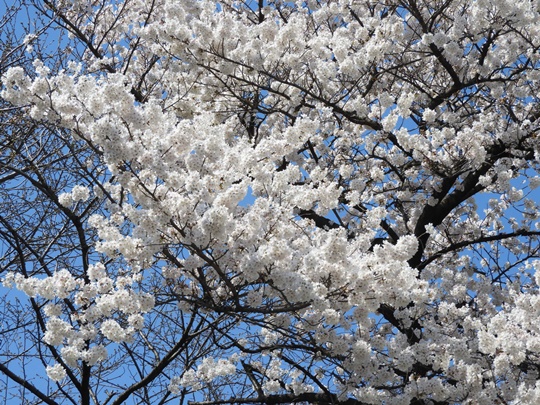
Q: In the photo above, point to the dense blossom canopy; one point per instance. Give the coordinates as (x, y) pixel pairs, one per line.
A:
(312, 201)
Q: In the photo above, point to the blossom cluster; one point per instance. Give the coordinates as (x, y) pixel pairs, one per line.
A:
(97, 302)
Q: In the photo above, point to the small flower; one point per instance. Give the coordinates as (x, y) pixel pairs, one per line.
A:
(113, 331)
(80, 193)
(65, 199)
(429, 115)
(56, 372)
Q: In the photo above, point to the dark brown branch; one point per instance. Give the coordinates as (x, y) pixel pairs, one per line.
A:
(45, 398)
(308, 397)
(456, 246)
(158, 369)
(320, 221)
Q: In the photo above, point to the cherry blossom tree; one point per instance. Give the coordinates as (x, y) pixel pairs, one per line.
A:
(274, 202)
